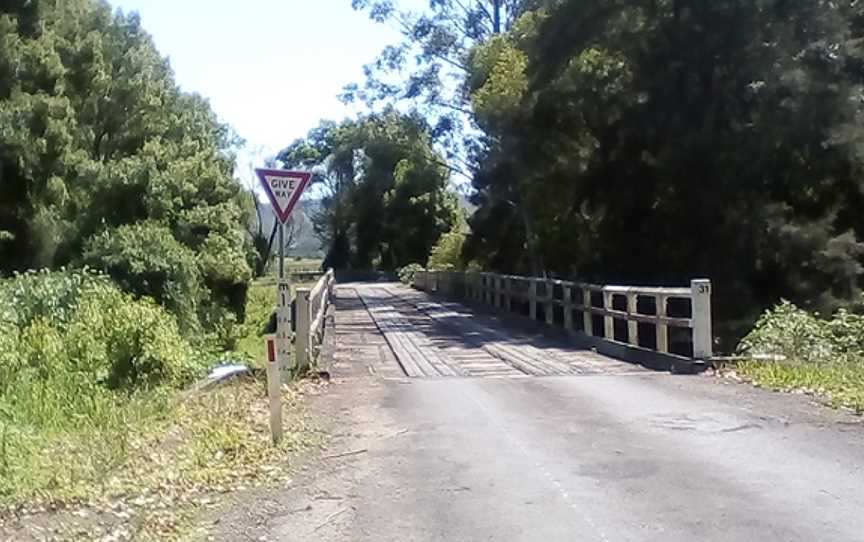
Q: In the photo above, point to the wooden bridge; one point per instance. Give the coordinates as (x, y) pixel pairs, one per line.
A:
(484, 325)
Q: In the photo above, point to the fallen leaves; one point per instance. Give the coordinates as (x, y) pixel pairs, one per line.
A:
(211, 444)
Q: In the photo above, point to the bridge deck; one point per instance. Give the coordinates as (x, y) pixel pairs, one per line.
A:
(395, 331)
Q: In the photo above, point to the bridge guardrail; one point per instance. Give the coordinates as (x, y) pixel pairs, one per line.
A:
(638, 317)
(312, 307)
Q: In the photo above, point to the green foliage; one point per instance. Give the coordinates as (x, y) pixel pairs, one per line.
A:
(77, 332)
(78, 356)
(146, 260)
(407, 272)
(386, 199)
(800, 336)
(99, 146)
(259, 310)
(648, 142)
(820, 356)
(842, 383)
(446, 255)
(87, 401)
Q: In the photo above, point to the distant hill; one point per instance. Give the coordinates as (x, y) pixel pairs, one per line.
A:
(305, 243)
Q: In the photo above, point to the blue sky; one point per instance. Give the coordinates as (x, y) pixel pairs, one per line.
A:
(271, 68)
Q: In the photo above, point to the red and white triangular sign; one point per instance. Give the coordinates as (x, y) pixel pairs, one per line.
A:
(284, 188)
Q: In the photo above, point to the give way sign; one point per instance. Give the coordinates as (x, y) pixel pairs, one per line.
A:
(283, 188)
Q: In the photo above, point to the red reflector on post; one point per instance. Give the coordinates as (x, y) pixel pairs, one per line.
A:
(271, 350)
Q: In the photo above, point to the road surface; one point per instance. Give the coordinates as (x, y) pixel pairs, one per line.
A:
(510, 436)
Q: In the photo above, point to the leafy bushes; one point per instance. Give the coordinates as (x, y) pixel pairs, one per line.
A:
(801, 336)
(446, 255)
(145, 259)
(823, 357)
(68, 338)
(86, 370)
(406, 273)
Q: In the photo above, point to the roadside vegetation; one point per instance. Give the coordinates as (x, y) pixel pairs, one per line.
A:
(96, 408)
(604, 142)
(118, 188)
(792, 349)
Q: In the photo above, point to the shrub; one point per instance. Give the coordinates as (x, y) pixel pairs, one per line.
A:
(800, 336)
(406, 273)
(446, 255)
(146, 259)
(81, 329)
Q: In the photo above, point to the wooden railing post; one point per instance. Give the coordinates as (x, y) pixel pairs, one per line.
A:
(608, 321)
(662, 329)
(499, 291)
(568, 307)
(475, 286)
(632, 325)
(508, 293)
(303, 324)
(587, 316)
(700, 295)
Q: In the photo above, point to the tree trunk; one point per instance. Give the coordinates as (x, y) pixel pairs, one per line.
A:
(496, 16)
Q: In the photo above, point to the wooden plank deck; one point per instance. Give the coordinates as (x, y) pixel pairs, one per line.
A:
(396, 332)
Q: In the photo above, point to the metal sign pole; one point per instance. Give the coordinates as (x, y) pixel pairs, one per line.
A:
(284, 329)
(283, 189)
(281, 251)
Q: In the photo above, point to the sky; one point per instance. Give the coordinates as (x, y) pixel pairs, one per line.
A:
(270, 68)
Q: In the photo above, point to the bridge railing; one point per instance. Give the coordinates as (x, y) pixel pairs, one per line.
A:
(675, 321)
(312, 307)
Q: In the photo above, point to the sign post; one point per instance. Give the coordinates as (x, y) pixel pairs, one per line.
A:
(283, 189)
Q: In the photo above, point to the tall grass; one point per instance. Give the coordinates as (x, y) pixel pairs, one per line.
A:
(81, 365)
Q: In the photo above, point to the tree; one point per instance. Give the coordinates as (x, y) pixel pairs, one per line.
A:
(429, 68)
(385, 190)
(658, 141)
(95, 135)
(447, 253)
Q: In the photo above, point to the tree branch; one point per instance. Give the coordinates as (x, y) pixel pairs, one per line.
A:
(406, 31)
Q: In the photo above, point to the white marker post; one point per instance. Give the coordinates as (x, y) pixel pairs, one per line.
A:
(702, 333)
(283, 188)
(273, 392)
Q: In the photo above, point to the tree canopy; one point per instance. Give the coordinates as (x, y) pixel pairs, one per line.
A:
(100, 151)
(385, 198)
(658, 141)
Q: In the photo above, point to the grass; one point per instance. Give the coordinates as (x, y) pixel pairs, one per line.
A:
(170, 451)
(300, 263)
(162, 448)
(153, 439)
(841, 383)
(260, 304)
(293, 265)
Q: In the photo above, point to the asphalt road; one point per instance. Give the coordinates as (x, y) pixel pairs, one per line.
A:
(481, 445)
(586, 458)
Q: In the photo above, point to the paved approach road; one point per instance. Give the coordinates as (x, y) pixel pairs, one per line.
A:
(455, 427)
